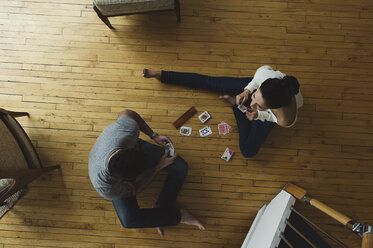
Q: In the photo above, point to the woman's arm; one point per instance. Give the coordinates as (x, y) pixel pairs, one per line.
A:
(259, 78)
(261, 116)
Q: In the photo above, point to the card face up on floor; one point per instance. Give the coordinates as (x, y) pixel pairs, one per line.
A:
(205, 131)
(204, 116)
(185, 130)
(227, 154)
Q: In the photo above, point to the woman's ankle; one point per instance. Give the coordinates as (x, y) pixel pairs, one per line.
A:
(147, 73)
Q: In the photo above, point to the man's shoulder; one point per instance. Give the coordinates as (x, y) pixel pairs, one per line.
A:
(126, 121)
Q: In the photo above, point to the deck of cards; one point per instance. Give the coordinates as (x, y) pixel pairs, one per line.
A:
(171, 149)
(185, 130)
(205, 131)
(204, 116)
(223, 128)
(228, 153)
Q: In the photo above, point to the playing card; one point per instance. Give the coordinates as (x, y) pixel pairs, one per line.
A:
(205, 131)
(242, 108)
(204, 116)
(185, 130)
(227, 154)
(171, 149)
(222, 128)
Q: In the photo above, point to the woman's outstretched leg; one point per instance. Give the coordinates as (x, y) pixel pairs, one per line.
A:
(221, 85)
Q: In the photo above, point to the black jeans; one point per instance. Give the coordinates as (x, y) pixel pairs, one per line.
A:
(252, 134)
(164, 213)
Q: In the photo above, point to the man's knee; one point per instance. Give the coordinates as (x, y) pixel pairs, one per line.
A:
(249, 152)
(181, 167)
(128, 222)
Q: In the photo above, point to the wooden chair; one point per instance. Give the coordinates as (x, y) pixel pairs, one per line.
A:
(110, 8)
(18, 158)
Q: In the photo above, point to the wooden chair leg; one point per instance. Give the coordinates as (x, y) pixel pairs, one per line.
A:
(177, 10)
(103, 18)
(22, 178)
(367, 240)
(14, 114)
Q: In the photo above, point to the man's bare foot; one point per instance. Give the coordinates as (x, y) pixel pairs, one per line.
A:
(229, 98)
(160, 231)
(147, 73)
(187, 218)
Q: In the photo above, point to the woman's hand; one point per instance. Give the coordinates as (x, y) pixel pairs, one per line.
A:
(242, 98)
(251, 114)
(162, 140)
(165, 160)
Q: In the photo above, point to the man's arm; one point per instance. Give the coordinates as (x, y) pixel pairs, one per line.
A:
(140, 121)
(144, 127)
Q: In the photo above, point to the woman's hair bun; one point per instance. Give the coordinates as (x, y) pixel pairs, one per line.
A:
(279, 92)
(292, 84)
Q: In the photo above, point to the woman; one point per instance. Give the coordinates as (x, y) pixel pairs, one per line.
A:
(270, 96)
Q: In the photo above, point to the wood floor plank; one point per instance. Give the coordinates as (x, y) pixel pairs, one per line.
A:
(61, 64)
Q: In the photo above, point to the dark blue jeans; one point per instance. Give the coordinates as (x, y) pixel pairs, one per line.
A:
(252, 134)
(164, 213)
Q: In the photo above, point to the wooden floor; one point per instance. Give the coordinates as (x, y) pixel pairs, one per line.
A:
(60, 63)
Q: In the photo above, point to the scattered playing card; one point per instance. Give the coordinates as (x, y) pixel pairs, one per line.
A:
(227, 154)
(185, 130)
(204, 116)
(223, 128)
(242, 108)
(171, 149)
(205, 131)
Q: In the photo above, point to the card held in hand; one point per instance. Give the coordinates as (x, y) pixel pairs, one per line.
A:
(185, 130)
(205, 131)
(171, 149)
(242, 108)
(204, 116)
(227, 154)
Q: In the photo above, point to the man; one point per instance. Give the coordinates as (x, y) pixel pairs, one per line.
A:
(121, 165)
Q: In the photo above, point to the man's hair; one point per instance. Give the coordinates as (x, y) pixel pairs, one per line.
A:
(278, 93)
(128, 163)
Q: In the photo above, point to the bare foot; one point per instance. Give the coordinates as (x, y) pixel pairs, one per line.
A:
(229, 98)
(160, 231)
(187, 218)
(147, 73)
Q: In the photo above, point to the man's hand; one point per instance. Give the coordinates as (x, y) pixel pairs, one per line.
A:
(162, 140)
(143, 180)
(251, 114)
(165, 160)
(242, 98)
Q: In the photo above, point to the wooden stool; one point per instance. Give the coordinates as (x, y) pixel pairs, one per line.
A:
(110, 8)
